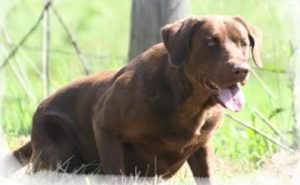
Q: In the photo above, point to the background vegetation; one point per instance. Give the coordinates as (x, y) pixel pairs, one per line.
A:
(102, 31)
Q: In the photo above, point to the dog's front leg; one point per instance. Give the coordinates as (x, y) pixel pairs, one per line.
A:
(110, 151)
(200, 164)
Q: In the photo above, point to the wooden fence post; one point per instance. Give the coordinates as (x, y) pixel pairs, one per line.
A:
(147, 17)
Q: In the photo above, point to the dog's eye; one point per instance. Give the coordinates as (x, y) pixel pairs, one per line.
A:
(243, 43)
(211, 43)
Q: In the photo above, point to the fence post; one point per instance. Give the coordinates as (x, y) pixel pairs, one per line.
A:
(147, 17)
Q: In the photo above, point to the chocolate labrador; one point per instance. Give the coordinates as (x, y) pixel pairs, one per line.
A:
(155, 113)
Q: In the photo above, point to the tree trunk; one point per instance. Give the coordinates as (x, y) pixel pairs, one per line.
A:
(147, 17)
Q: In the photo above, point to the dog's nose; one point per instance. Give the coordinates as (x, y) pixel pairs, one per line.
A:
(240, 70)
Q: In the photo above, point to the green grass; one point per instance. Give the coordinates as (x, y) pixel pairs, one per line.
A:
(102, 31)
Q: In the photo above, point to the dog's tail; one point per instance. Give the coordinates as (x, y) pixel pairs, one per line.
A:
(24, 153)
(13, 161)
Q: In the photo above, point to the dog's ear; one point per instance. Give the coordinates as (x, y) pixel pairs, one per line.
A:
(255, 38)
(176, 38)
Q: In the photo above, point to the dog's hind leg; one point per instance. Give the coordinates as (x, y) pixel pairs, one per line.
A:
(61, 157)
(53, 145)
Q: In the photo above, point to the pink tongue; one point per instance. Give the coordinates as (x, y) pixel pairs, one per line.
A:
(232, 98)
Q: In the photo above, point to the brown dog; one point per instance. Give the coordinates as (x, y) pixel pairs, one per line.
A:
(155, 113)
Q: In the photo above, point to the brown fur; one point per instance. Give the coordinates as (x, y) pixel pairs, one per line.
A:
(153, 114)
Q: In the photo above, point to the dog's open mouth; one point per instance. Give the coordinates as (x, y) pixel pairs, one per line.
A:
(231, 97)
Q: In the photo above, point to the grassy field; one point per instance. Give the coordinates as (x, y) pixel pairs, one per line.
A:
(102, 31)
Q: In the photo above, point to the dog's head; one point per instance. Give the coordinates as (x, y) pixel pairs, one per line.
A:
(214, 52)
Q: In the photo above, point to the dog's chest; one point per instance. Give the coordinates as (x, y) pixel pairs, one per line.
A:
(180, 143)
(197, 133)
